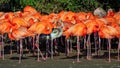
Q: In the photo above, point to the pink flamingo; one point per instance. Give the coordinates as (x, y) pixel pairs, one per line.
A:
(108, 32)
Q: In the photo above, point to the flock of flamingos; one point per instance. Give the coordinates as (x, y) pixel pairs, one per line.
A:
(31, 23)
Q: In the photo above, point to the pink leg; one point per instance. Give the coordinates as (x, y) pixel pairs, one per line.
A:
(78, 49)
(99, 46)
(0, 52)
(68, 51)
(109, 48)
(61, 39)
(47, 48)
(37, 45)
(88, 48)
(1, 46)
(39, 51)
(70, 46)
(42, 55)
(119, 50)
(2, 49)
(33, 48)
(21, 50)
(95, 40)
(51, 48)
(11, 48)
(85, 42)
(38, 56)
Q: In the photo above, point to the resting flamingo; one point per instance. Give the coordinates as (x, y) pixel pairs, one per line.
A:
(78, 29)
(19, 34)
(118, 36)
(92, 27)
(117, 17)
(5, 27)
(43, 27)
(108, 32)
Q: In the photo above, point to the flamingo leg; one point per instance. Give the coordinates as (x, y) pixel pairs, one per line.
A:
(70, 45)
(95, 39)
(99, 49)
(26, 48)
(47, 48)
(38, 49)
(56, 47)
(85, 42)
(88, 48)
(30, 40)
(78, 49)
(41, 55)
(0, 50)
(21, 51)
(109, 48)
(61, 39)
(51, 48)
(38, 55)
(119, 50)
(65, 47)
(11, 48)
(17, 46)
(3, 48)
(68, 51)
(33, 48)
(29, 46)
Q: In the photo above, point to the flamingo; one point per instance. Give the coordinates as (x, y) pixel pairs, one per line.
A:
(69, 20)
(43, 27)
(92, 27)
(108, 32)
(19, 34)
(117, 17)
(118, 36)
(5, 27)
(29, 9)
(77, 30)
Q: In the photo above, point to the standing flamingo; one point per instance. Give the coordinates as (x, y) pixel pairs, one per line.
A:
(108, 32)
(43, 27)
(118, 36)
(77, 30)
(92, 27)
(19, 34)
(117, 17)
(68, 19)
(5, 27)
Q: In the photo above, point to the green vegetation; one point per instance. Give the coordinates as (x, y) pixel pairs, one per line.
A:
(48, 6)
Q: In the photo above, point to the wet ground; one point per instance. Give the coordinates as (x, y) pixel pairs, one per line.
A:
(29, 61)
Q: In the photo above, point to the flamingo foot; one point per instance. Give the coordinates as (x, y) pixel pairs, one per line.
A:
(0, 56)
(46, 57)
(109, 61)
(43, 58)
(78, 60)
(88, 58)
(118, 60)
(34, 53)
(19, 61)
(3, 58)
(38, 59)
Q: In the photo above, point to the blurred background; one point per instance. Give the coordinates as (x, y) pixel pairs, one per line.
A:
(48, 6)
